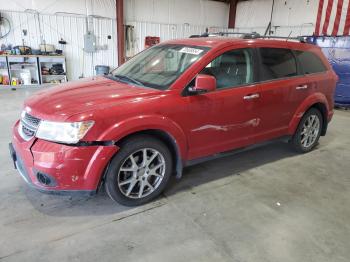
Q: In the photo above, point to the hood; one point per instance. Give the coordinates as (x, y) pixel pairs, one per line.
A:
(61, 102)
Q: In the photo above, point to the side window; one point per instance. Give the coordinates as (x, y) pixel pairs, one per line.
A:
(277, 63)
(310, 62)
(233, 68)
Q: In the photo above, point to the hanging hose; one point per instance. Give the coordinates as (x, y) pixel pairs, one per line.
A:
(4, 20)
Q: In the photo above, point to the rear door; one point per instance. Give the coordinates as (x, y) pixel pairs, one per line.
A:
(281, 89)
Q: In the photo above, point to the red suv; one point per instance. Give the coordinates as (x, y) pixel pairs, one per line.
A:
(173, 105)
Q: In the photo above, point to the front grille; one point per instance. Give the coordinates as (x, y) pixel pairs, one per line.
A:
(28, 132)
(31, 120)
(28, 126)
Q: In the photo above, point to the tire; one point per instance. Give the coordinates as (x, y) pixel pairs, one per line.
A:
(306, 138)
(129, 168)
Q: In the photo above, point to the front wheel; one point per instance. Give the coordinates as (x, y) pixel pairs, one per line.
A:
(308, 132)
(139, 172)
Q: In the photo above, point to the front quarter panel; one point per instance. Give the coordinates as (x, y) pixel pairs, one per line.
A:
(166, 112)
(146, 122)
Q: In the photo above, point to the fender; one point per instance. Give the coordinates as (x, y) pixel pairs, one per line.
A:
(304, 106)
(147, 122)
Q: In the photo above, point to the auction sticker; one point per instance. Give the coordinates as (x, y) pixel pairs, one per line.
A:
(190, 50)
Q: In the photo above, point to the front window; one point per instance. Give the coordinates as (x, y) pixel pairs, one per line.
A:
(159, 66)
(231, 69)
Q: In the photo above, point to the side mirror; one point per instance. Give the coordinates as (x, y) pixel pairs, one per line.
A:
(203, 84)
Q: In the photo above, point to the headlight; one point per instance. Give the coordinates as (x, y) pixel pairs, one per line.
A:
(63, 132)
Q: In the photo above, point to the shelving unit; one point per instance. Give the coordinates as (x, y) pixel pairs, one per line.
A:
(32, 70)
(21, 67)
(4, 71)
(52, 69)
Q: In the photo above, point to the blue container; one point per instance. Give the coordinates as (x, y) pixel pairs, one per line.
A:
(102, 70)
(337, 50)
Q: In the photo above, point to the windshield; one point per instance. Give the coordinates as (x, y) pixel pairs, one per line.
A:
(158, 67)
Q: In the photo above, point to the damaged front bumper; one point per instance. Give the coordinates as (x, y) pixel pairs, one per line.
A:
(58, 168)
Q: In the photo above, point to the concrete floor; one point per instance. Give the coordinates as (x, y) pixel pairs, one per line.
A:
(268, 204)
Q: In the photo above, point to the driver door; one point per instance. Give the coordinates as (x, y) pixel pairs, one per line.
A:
(225, 119)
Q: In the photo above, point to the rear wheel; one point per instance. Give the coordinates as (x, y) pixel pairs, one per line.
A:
(308, 132)
(139, 172)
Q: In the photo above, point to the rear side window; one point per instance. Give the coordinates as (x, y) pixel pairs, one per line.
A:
(310, 62)
(277, 63)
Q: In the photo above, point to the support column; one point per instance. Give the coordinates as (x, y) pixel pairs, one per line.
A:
(232, 14)
(120, 31)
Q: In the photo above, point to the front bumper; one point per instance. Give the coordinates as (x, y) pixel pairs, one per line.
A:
(58, 168)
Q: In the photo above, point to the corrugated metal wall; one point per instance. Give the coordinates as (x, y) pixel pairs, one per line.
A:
(167, 31)
(294, 17)
(72, 29)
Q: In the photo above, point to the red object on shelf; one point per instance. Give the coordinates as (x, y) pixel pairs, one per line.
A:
(5, 80)
(151, 41)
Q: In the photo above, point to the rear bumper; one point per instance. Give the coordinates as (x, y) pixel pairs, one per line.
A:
(342, 103)
(342, 98)
(60, 169)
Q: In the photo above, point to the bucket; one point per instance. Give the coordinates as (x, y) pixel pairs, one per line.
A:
(102, 70)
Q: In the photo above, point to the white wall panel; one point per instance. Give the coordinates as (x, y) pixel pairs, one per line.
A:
(167, 31)
(171, 19)
(71, 29)
(253, 13)
(104, 8)
(194, 12)
(290, 16)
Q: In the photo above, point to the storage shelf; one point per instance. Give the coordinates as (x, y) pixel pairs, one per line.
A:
(33, 63)
(20, 69)
(52, 75)
(48, 63)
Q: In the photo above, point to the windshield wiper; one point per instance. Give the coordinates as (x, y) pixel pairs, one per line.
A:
(128, 79)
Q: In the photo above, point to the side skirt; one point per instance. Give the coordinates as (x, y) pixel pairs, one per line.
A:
(235, 151)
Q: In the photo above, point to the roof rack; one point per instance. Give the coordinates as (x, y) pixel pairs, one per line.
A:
(252, 35)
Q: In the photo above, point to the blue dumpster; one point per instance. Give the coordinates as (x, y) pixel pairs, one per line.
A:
(337, 50)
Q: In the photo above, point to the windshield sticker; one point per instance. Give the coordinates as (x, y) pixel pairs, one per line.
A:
(192, 51)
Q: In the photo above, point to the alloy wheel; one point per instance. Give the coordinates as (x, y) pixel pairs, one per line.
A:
(310, 131)
(141, 173)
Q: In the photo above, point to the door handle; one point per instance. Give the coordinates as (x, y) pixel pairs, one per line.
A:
(252, 96)
(301, 87)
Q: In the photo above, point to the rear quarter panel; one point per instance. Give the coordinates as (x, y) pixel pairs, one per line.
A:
(322, 88)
